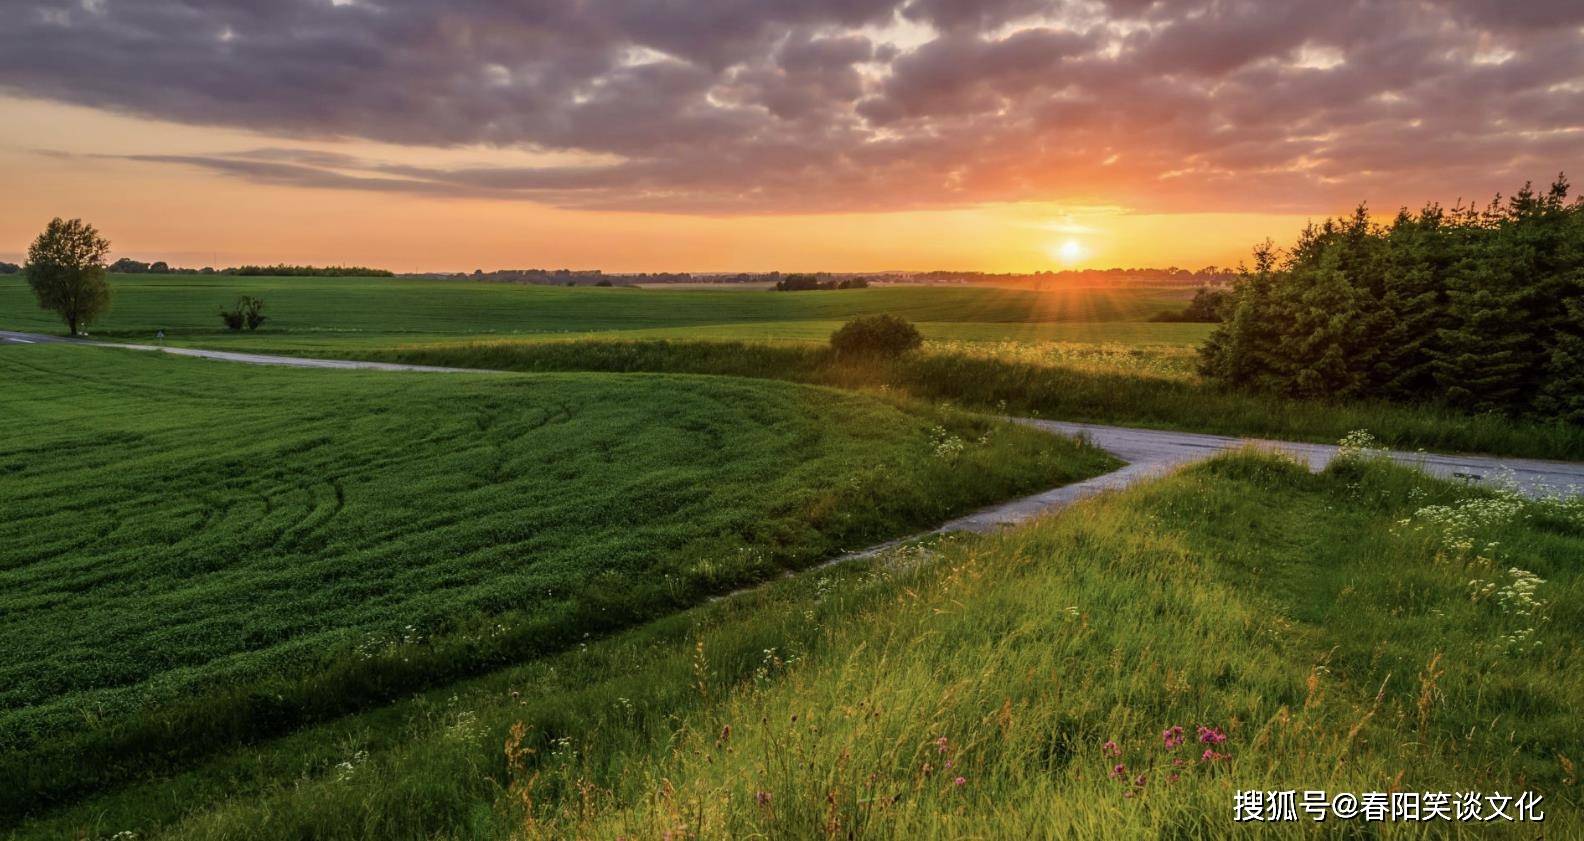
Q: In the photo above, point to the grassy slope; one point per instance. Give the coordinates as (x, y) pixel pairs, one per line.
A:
(272, 537)
(1337, 647)
(1097, 385)
(183, 305)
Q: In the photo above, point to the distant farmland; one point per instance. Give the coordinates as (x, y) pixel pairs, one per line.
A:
(383, 310)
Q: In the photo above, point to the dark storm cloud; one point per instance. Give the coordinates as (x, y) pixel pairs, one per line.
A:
(807, 105)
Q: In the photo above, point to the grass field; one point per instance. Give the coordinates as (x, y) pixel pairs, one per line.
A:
(241, 602)
(1100, 383)
(197, 551)
(185, 306)
(1365, 629)
(1078, 354)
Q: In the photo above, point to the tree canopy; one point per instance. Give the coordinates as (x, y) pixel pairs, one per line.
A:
(65, 268)
(1478, 308)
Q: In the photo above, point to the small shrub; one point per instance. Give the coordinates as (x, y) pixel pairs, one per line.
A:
(249, 313)
(876, 335)
(253, 312)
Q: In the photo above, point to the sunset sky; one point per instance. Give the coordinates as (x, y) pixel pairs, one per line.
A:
(720, 135)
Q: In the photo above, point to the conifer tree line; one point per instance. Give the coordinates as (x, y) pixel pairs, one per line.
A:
(1477, 308)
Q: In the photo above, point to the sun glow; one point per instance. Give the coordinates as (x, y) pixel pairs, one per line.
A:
(1069, 251)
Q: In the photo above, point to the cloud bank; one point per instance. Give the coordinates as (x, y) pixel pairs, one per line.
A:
(745, 106)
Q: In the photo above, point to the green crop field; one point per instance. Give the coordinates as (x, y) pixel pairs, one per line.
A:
(378, 309)
(1323, 624)
(177, 528)
(244, 602)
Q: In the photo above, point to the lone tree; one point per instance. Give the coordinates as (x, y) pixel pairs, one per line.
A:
(65, 267)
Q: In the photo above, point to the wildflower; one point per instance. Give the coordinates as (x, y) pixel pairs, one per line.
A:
(1140, 780)
(1211, 735)
(1172, 736)
(960, 782)
(947, 766)
(941, 744)
(1110, 748)
(762, 798)
(1178, 762)
(1210, 755)
(1119, 772)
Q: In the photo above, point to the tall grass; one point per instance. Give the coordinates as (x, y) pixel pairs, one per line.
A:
(987, 687)
(1081, 389)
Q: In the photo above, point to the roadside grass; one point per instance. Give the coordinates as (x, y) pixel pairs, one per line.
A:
(1357, 630)
(1099, 384)
(196, 554)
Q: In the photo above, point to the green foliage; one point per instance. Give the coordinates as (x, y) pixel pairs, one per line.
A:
(1209, 306)
(202, 554)
(248, 313)
(876, 336)
(1325, 624)
(1479, 309)
(65, 268)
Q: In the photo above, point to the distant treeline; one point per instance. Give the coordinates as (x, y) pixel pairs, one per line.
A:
(559, 277)
(126, 265)
(1210, 304)
(1481, 309)
(1209, 275)
(9, 268)
(595, 277)
(811, 282)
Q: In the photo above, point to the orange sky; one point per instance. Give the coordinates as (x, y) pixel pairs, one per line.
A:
(701, 135)
(153, 211)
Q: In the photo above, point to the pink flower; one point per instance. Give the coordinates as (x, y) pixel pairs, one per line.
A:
(941, 744)
(947, 766)
(1172, 736)
(1210, 755)
(1140, 780)
(1173, 777)
(1119, 772)
(1211, 735)
(1110, 748)
(762, 798)
(960, 782)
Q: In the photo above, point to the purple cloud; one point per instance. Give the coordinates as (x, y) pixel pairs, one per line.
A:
(745, 106)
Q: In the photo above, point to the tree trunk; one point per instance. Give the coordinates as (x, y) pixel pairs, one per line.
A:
(71, 325)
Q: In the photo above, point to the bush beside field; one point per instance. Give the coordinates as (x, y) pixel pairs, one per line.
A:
(1365, 629)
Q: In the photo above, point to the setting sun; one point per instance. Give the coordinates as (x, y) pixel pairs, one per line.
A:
(1070, 251)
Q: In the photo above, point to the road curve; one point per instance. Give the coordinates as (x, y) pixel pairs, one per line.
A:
(1148, 452)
